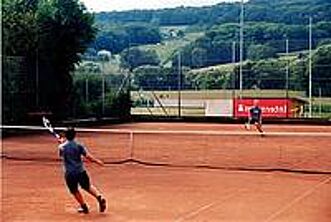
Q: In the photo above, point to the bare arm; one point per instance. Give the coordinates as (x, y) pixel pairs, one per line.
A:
(93, 159)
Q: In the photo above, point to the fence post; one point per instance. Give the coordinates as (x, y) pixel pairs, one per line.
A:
(179, 85)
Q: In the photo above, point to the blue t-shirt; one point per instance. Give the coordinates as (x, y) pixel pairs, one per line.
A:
(71, 153)
(256, 113)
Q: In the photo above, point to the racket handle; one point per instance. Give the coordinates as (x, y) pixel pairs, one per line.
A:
(60, 139)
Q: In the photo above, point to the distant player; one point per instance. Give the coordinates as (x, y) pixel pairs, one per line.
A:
(255, 117)
(75, 174)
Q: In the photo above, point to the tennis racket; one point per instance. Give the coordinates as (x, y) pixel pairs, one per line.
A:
(47, 125)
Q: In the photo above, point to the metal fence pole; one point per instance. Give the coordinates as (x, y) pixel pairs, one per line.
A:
(234, 69)
(287, 76)
(37, 78)
(320, 103)
(310, 67)
(86, 90)
(179, 85)
(241, 48)
(103, 88)
(287, 69)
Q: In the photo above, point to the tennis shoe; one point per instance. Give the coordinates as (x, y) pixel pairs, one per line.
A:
(83, 209)
(102, 204)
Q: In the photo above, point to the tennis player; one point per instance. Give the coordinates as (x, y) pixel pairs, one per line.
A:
(255, 117)
(75, 173)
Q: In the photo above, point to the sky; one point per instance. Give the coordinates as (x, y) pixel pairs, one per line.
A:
(122, 5)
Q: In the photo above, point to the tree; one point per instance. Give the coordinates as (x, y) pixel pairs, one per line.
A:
(50, 34)
(87, 96)
(19, 39)
(134, 57)
(322, 70)
(140, 34)
(199, 57)
(66, 29)
(258, 52)
(20, 27)
(280, 11)
(158, 78)
(116, 38)
(262, 41)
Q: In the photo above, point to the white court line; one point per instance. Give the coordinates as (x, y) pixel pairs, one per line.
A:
(296, 126)
(207, 206)
(233, 133)
(185, 132)
(194, 212)
(296, 200)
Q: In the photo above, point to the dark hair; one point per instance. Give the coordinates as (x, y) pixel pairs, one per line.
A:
(70, 133)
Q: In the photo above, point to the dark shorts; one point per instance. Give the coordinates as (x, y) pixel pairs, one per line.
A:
(255, 121)
(73, 180)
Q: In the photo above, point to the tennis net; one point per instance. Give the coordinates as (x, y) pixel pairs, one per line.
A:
(298, 152)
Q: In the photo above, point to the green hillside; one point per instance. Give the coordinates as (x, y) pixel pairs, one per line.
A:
(147, 42)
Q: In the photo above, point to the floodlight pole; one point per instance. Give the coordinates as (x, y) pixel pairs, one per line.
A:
(310, 67)
(241, 48)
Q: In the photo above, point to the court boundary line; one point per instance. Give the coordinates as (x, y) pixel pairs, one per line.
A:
(297, 200)
(195, 212)
(178, 132)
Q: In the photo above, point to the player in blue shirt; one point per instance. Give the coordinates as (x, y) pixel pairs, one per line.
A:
(255, 117)
(75, 173)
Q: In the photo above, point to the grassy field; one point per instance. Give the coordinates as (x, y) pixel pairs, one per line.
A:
(216, 94)
(168, 111)
(222, 68)
(168, 47)
(321, 107)
(165, 49)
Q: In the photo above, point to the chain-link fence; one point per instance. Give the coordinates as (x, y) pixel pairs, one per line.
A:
(201, 82)
(18, 91)
(98, 95)
(193, 82)
(91, 91)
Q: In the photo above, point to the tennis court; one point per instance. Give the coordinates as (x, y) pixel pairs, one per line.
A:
(177, 172)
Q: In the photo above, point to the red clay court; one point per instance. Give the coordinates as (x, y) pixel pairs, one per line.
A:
(177, 172)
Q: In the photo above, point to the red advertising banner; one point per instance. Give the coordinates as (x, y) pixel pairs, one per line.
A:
(272, 108)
